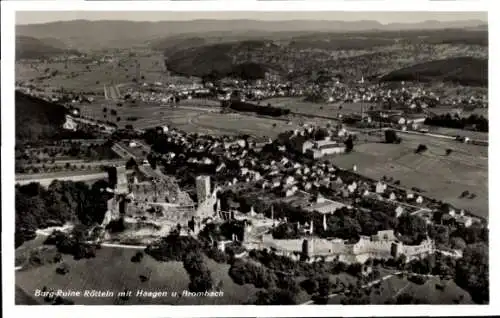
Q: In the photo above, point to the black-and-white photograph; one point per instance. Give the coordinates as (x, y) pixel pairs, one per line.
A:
(251, 158)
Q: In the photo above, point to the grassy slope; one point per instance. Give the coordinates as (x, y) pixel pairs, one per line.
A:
(33, 48)
(442, 177)
(113, 270)
(427, 292)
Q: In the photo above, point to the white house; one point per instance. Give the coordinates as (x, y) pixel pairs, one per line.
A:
(399, 210)
(392, 196)
(380, 187)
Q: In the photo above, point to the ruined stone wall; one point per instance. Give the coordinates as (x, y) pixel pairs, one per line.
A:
(416, 250)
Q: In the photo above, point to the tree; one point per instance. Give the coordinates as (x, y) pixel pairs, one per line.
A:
(62, 269)
(421, 148)
(137, 257)
(472, 272)
(131, 163)
(79, 232)
(405, 299)
(448, 151)
(392, 137)
(464, 194)
(458, 243)
(412, 228)
(310, 285)
(275, 297)
(349, 144)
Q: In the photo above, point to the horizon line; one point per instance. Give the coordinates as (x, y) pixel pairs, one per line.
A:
(256, 19)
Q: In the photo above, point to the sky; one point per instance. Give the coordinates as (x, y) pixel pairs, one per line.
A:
(31, 17)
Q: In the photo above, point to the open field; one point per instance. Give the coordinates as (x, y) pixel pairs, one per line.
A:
(112, 270)
(85, 77)
(459, 132)
(442, 177)
(395, 286)
(194, 116)
(22, 298)
(147, 115)
(236, 124)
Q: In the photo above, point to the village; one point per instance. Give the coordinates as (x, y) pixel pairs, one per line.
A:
(240, 163)
(283, 170)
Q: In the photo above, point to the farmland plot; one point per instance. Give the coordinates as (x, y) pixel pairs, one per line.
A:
(442, 176)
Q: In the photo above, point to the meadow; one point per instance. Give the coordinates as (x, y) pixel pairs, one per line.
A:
(441, 176)
(428, 293)
(113, 270)
(85, 76)
(197, 116)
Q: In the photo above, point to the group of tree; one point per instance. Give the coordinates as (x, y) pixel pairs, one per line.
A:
(275, 296)
(475, 122)
(29, 258)
(137, 258)
(39, 121)
(74, 243)
(199, 274)
(173, 247)
(391, 137)
(421, 148)
(261, 110)
(63, 201)
(471, 272)
(406, 299)
(349, 144)
(245, 272)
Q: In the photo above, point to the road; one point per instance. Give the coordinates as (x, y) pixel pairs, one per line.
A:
(426, 134)
(203, 109)
(133, 247)
(80, 162)
(46, 179)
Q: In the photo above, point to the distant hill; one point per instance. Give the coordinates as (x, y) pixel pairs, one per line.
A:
(467, 71)
(93, 34)
(215, 59)
(200, 61)
(340, 44)
(54, 43)
(176, 44)
(32, 48)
